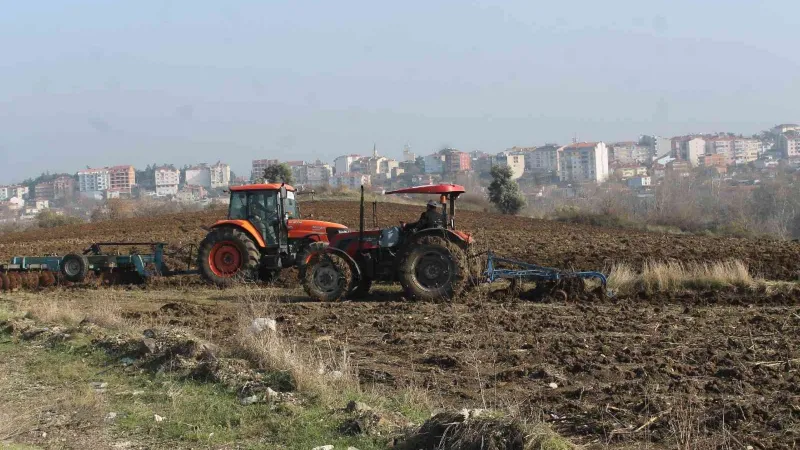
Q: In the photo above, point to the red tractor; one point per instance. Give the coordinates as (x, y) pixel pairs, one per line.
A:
(432, 262)
(262, 234)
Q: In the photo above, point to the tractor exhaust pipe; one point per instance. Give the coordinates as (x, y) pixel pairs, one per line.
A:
(361, 220)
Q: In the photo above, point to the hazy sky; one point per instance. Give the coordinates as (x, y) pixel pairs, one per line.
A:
(107, 82)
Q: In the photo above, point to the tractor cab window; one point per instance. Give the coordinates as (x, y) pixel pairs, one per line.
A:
(261, 205)
(238, 206)
(291, 206)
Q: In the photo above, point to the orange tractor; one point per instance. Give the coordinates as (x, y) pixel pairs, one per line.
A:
(432, 263)
(262, 234)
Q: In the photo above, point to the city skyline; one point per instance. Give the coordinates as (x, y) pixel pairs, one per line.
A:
(144, 82)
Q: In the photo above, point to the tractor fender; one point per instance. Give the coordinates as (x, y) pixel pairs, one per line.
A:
(246, 227)
(350, 261)
(462, 239)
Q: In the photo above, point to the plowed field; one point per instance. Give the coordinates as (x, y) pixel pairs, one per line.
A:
(545, 242)
(632, 373)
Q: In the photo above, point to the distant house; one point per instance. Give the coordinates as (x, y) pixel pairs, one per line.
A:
(515, 161)
(166, 181)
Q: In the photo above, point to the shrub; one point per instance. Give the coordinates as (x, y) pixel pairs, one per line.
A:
(51, 219)
(504, 192)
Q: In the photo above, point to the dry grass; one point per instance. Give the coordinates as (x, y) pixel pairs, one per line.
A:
(58, 306)
(321, 369)
(673, 276)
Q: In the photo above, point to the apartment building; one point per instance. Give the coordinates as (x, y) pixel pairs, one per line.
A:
(45, 190)
(659, 146)
(343, 164)
(167, 181)
(714, 160)
(350, 180)
(121, 179)
(785, 128)
(721, 145)
(8, 192)
(789, 144)
(94, 180)
(258, 167)
(746, 150)
(456, 161)
(434, 163)
(630, 153)
(317, 174)
(626, 172)
(689, 148)
(220, 174)
(542, 159)
(64, 187)
(199, 175)
(583, 162)
(516, 161)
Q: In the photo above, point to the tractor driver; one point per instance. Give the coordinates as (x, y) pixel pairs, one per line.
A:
(429, 219)
(263, 219)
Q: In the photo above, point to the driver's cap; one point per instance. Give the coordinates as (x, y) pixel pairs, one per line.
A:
(432, 203)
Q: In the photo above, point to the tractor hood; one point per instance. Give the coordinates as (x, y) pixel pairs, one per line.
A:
(300, 228)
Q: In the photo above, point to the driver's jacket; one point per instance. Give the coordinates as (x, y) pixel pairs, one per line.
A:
(430, 218)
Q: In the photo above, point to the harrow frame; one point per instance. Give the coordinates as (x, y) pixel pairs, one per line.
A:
(531, 272)
(145, 264)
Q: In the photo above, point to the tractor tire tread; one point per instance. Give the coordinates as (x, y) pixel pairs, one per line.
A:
(251, 256)
(447, 292)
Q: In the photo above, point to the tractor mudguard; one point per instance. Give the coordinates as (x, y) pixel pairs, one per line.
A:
(354, 268)
(246, 227)
(450, 235)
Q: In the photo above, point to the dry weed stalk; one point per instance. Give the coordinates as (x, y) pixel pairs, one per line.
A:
(672, 276)
(323, 371)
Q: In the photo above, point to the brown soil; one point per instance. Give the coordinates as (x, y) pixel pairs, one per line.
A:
(546, 242)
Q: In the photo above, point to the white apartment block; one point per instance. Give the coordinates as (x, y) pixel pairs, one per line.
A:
(199, 176)
(350, 180)
(516, 161)
(4, 193)
(542, 159)
(583, 162)
(746, 150)
(344, 163)
(167, 181)
(258, 167)
(692, 149)
(313, 174)
(94, 180)
(631, 153)
(220, 174)
(789, 144)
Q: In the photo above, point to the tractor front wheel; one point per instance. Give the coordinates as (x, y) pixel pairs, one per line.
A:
(434, 269)
(326, 277)
(228, 254)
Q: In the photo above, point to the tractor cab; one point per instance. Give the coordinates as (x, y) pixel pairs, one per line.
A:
(262, 234)
(260, 207)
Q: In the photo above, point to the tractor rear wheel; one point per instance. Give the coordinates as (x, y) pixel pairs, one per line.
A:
(326, 277)
(434, 269)
(228, 254)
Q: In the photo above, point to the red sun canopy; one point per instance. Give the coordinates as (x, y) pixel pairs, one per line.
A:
(431, 189)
